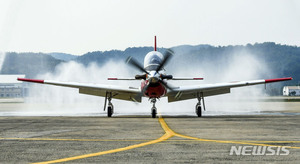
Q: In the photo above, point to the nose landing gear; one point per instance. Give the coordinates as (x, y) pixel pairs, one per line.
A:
(153, 109)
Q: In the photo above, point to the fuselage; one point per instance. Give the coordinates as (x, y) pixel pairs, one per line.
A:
(152, 86)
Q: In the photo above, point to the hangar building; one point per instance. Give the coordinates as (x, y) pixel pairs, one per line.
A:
(10, 87)
(291, 91)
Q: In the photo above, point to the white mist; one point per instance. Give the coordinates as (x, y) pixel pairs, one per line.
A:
(67, 101)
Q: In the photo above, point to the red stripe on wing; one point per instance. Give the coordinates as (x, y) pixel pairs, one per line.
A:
(279, 79)
(31, 80)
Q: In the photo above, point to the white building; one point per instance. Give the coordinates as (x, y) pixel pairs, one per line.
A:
(291, 91)
(10, 87)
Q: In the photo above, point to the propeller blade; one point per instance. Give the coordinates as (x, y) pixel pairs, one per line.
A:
(135, 64)
(144, 89)
(167, 56)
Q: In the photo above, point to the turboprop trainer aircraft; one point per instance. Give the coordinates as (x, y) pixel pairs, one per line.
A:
(154, 85)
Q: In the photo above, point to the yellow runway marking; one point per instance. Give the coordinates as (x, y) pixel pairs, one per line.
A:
(233, 142)
(273, 141)
(220, 141)
(137, 140)
(68, 139)
(223, 141)
(168, 134)
(91, 140)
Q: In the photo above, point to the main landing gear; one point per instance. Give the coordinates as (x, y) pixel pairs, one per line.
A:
(198, 109)
(110, 107)
(198, 105)
(153, 109)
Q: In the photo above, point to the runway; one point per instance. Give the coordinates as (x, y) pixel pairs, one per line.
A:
(140, 139)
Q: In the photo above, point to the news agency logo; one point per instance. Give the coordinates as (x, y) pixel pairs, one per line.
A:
(259, 150)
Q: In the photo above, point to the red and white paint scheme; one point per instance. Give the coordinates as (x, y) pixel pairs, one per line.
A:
(154, 85)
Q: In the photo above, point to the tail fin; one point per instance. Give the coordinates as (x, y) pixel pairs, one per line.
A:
(154, 43)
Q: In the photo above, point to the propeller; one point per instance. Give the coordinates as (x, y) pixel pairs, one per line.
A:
(144, 89)
(134, 63)
(167, 56)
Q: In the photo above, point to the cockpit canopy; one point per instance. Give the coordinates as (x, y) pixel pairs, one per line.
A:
(152, 60)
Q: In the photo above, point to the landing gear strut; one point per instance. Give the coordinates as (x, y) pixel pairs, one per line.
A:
(153, 109)
(110, 107)
(198, 105)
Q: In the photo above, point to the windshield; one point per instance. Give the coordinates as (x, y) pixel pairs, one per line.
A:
(152, 60)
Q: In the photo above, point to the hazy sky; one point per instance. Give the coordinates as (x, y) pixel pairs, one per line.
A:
(79, 26)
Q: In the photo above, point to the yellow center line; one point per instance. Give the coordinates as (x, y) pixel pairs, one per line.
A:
(68, 139)
(137, 140)
(272, 141)
(168, 134)
(93, 140)
(233, 142)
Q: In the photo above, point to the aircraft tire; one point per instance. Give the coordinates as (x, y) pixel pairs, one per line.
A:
(198, 111)
(109, 111)
(153, 112)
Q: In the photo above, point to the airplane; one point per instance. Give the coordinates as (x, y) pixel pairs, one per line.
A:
(154, 85)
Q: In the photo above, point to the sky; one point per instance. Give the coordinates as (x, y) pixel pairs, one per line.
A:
(81, 26)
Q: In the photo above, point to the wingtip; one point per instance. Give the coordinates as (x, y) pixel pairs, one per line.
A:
(279, 79)
(30, 80)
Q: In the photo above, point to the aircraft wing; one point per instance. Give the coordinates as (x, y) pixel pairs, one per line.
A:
(190, 92)
(118, 92)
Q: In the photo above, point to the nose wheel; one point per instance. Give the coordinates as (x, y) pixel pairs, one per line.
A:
(153, 109)
(153, 112)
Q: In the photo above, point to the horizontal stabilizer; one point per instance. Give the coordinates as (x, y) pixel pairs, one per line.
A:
(122, 79)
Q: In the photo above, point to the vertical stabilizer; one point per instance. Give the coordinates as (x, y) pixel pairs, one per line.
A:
(154, 43)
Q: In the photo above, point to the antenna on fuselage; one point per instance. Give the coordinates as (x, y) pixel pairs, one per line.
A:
(154, 43)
